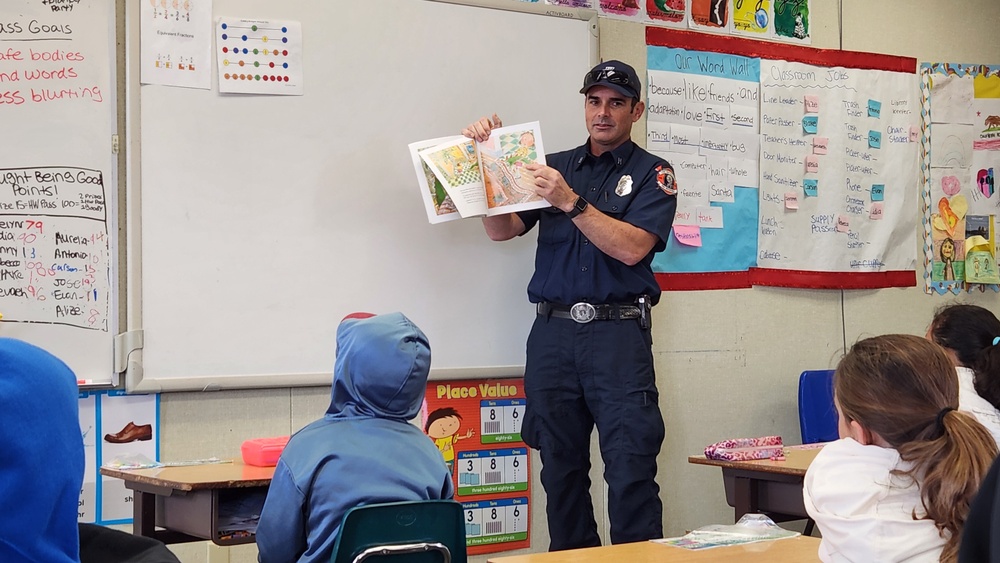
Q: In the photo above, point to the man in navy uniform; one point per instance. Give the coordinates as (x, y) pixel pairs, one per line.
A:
(589, 354)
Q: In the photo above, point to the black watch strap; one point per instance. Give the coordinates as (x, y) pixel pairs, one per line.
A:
(579, 206)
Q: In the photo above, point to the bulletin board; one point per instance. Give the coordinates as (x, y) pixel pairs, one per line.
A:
(796, 167)
(58, 213)
(959, 162)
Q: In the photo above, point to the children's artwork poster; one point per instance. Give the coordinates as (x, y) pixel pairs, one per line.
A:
(960, 141)
(792, 21)
(114, 426)
(753, 18)
(176, 43)
(571, 3)
(620, 9)
(709, 15)
(795, 167)
(259, 56)
(476, 424)
(669, 13)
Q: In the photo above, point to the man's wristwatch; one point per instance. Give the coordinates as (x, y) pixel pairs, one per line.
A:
(579, 206)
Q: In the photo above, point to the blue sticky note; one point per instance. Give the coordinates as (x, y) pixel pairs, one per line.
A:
(878, 192)
(874, 139)
(874, 109)
(811, 187)
(810, 123)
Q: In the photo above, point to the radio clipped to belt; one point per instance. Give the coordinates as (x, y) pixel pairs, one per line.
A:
(645, 306)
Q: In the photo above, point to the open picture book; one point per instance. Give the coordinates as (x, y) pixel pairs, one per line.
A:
(459, 177)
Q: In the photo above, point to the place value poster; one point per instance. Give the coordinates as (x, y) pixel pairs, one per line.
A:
(477, 426)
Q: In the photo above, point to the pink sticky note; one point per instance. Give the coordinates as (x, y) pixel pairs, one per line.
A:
(876, 211)
(843, 224)
(914, 134)
(812, 104)
(791, 200)
(812, 165)
(820, 144)
(689, 235)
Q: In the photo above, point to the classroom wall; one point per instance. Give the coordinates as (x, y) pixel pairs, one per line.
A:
(727, 361)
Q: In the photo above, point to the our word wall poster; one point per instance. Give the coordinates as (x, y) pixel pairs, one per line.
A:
(477, 426)
(703, 119)
(960, 157)
(796, 167)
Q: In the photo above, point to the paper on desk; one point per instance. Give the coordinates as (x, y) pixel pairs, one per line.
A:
(131, 461)
(751, 528)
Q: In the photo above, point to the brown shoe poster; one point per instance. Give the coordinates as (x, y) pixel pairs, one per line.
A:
(128, 429)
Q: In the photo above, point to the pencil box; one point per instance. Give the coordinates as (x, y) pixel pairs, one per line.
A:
(263, 452)
(743, 449)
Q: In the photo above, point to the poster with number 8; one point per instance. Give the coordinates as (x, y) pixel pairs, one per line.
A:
(476, 424)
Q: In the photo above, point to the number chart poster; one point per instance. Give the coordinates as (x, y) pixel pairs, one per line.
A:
(477, 426)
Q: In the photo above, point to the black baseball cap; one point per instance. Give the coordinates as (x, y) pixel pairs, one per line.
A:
(616, 75)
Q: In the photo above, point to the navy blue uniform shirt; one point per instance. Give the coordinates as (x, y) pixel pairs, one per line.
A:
(568, 267)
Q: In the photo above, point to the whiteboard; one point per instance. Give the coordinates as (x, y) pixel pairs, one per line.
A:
(266, 219)
(57, 181)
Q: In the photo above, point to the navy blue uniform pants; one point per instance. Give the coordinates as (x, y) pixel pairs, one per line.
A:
(579, 375)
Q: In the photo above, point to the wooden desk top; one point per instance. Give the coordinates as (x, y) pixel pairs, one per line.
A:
(194, 477)
(796, 462)
(799, 549)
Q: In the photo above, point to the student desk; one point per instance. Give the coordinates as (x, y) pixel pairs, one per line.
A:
(799, 549)
(772, 487)
(186, 501)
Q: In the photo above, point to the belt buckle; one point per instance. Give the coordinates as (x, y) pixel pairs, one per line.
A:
(582, 312)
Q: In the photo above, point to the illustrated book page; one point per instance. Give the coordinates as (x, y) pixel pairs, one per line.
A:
(437, 202)
(459, 176)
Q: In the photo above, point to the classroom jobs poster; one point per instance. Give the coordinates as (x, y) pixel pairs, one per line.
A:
(477, 426)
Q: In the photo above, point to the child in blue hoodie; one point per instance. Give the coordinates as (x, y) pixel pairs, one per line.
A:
(41, 461)
(364, 451)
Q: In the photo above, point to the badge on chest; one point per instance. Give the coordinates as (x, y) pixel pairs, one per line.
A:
(624, 186)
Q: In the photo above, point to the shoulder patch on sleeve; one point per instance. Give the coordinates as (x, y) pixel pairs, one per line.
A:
(665, 179)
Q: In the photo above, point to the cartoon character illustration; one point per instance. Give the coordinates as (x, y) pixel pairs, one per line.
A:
(800, 27)
(948, 258)
(442, 426)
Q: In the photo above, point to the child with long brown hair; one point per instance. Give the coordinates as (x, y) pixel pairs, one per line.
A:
(897, 486)
(971, 335)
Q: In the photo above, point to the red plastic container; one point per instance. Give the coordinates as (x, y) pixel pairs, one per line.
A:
(263, 452)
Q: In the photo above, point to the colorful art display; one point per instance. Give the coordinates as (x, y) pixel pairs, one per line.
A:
(960, 154)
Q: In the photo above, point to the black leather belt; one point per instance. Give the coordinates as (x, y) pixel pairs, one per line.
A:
(586, 312)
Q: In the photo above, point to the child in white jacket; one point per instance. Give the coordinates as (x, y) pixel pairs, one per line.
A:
(897, 486)
(971, 336)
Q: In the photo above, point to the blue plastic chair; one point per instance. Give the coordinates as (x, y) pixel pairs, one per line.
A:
(423, 531)
(817, 413)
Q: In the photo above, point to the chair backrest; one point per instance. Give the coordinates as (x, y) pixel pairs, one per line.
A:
(817, 413)
(403, 532)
